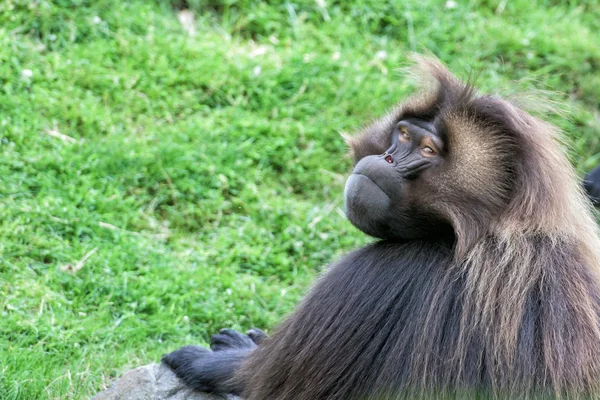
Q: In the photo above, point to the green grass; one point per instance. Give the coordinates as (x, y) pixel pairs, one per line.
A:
(157, 186)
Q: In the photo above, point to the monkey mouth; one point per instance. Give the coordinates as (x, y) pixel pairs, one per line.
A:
(366, 203)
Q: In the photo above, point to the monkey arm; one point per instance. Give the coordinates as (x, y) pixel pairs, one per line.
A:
(214, 370)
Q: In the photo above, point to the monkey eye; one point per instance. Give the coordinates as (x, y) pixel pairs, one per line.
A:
(404, 134)
(428, 151)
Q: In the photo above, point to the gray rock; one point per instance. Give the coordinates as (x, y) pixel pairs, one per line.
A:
(152, 382)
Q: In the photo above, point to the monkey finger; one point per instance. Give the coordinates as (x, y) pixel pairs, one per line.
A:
(257, 335)
(184, 357)
(228, 339)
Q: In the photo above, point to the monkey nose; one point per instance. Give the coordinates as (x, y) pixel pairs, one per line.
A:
(389, 159)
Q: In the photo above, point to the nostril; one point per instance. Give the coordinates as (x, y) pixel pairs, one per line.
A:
(389, 159)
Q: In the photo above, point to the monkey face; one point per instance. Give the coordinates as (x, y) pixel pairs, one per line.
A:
(445, 161)
(380, 191)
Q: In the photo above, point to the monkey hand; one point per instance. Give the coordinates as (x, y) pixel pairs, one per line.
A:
(207, 371)
(189, 364)
(228, 339)
(212, 370)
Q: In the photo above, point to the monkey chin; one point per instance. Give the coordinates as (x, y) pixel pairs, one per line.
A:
(366, 204)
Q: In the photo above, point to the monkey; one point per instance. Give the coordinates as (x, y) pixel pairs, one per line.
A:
(482, 282)
(592, 185)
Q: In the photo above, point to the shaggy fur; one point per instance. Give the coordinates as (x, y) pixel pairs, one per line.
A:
(508, 306)
(508, 309)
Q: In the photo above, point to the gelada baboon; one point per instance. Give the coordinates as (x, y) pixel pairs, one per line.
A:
(484, 281)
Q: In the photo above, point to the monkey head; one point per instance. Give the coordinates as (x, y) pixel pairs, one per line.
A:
(452, 161)
(380, 193)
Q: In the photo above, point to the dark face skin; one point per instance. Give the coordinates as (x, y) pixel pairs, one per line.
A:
(379, 193)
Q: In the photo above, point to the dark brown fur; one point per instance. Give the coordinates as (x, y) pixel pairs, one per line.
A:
(509, 308)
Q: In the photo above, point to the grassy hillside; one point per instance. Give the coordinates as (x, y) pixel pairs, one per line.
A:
(160, 180)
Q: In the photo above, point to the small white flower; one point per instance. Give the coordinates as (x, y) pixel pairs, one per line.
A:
(256, 70)
(96, 20)
(26, 73)
(450, 4)
(228, 291)
(259, 51)
(381, 55)
(186, 319)
(335, 56)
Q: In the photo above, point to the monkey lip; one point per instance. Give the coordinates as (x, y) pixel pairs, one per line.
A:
(365, 200)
